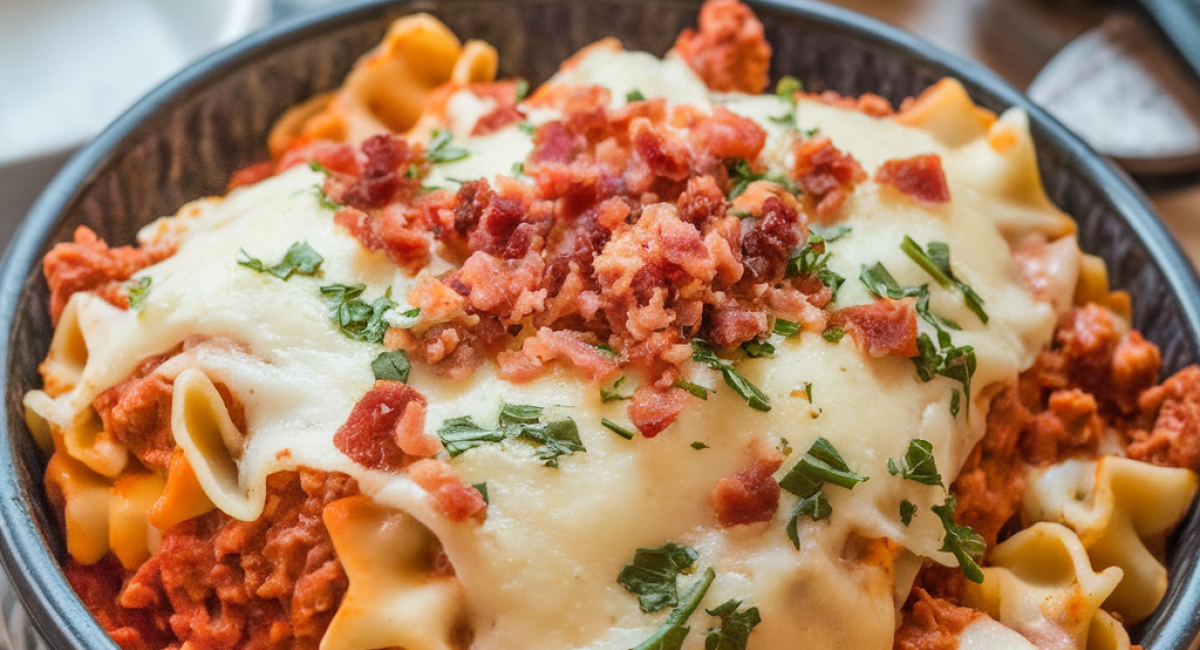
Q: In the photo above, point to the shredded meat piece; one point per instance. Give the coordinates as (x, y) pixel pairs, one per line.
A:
(88, 264)
(920, 177)
(272, 583)
(881, 328)
(652, 409)
(99, 586)
(1175, 439)
(729, 51)
(751, 495)
(932, 623)
(368, 436)
(827, 175)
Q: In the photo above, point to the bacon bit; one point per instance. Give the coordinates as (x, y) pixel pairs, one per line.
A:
(437, 301)
(368, 436)
(868, 103)
(452, 497)
(250, 175)
(725, 134)
(504, 94)
(410, 432)
(751, 495)
(663, 153)
(920, 177)
(882, 327)
(506, 288)
(337, 157)
(766, 248)
(652, 409)
(732, 325)
(383, 179)
(826, 174)
(549, 345)
(88, 264)
(394, 230)
(729, 52)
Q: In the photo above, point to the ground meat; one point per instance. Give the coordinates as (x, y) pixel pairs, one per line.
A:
(729, 51)
(1175, 439)
(99, 586)
(88, 264)
(273, 583)
(932, 623)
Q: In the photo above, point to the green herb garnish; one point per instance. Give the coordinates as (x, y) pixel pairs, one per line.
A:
(918, 464)
(786, 328)
(634, 95)
(735, 626)
(391, 365)
(756, 349)
(697, 445)
(482, 489)
(741, 175)
(694, 389)
(786, 90)
(300, 258)
(819, 465)
(653, 573)
(672, 632)
(355, 317)
(516, 422)
(521, 89)
(812, 259)
(613, 393)
(833, 334)
(440, 151)
(908, 510)
(617, 429)
(935, 260)
(967, 545)
(755, 398)
(138, 290)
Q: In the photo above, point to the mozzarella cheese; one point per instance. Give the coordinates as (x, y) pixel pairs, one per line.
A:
(539, 573)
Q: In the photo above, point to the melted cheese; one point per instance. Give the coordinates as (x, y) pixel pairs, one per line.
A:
(562, 535)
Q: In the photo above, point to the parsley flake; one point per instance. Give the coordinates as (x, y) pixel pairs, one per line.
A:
(652, 574)
(945, 359)
(440, 151)
(784, 447)
(672, 632)
(741, 175)
(966, 544)
(786, 90)
(520, 89)
(819, 465)
(908, 510)
(300, 258)
(635, 95)
(935, 260)
(697, 445)
(516, 422)
(918, 464)
(808, 391)
(694, 389)
(391, 365)
(613, 393)
(735, 626)
(617, 429)
(526, 127)
(355, 317)
(786, 328)
(833, 334)
(812, 259)
(703, 353)
(481, 488)
(139, 290)
(756, 349)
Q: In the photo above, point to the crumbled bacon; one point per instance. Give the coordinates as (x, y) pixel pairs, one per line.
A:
(868, 103)
(652, 409)
(368, 436)
(504, 111)
(826, 174)
(729, 51)
(548, 345)
(452, 497)
(383, 179)
(932, 623)
(250, 175)
(881, 328)
(751, 495)
(920, 177)
(88, 264)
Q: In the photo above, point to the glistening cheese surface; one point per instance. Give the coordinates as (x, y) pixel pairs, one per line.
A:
(540, 572)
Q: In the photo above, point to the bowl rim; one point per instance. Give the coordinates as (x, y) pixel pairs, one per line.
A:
(36, 575)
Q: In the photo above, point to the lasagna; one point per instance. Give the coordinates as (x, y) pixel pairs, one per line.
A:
(645, 358)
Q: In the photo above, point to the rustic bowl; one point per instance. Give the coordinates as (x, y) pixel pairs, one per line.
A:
(184, 139)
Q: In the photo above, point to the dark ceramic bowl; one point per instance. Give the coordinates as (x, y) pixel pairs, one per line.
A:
(185, 138)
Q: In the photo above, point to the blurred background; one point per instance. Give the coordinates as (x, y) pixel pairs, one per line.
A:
(1115, 72)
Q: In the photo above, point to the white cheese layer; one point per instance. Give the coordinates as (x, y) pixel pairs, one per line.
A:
(539, 573)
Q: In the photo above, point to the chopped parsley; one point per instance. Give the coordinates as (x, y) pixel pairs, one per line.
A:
(935, 260)
(786, 90)
(786, 328)
(527, 128)
(634, 95)
(613, 393)
(518, 170)
(806, 479)
(829, 233)
(908, 510)
(391, 365)
(607, 350)
(653, 574)
(741, 175)
(735, 626)
(516, 422)
(757, 349)
(955, 402)
(300, 258)
(947, 360)
(617, 429)
(481, 488)
(322, 198)
(694, 389)
(966, 544)
(833, 334)
(440, 151)
(812, 259)
(755, 398)
(673, 631)
(918, 464)
(699, 445)
(521, 89)
(355, 317)
(808, 391)
(138, 290)
(785, 447)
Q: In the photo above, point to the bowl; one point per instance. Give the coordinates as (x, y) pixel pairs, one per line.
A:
(184, 139)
